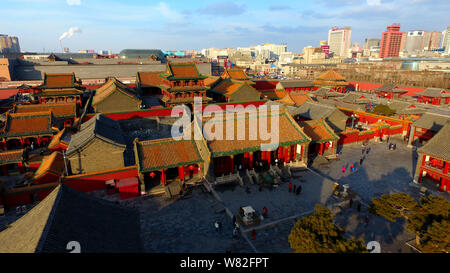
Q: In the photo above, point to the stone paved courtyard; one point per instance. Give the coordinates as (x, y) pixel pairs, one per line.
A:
(382, 171)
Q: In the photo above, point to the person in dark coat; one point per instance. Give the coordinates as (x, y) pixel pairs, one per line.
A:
(253, 234)
(295, 188)
(265, 212)
(299, 189)
(350, 203)
(290, 187)
(361, 161)
(359, 206)
(368, 150)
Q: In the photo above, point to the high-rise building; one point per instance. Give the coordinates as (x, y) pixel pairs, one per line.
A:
(9, 44)
(415, 41)
(434, 41)
(391, 41)
(339, 40)
(447, 41)
(369, 43)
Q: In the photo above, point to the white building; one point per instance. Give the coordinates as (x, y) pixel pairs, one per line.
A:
(447, 41)
(339, 40)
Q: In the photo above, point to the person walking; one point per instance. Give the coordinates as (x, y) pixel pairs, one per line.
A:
(361, 161)
(368, 150)
(363, 150)
(295, 188)
(265, 212)
(343, 169)
(359, 206)
(216, 225)
(350, 203)
(352, 167)
(235, 233)
(290, 186)
(299, 189)
(253, 234)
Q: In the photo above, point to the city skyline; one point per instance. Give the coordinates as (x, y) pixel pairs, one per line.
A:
(175, 25)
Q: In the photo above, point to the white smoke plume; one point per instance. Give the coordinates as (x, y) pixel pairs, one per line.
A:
(70, 33)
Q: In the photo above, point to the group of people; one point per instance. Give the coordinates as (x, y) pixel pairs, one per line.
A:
(295, 189)
(352, 167)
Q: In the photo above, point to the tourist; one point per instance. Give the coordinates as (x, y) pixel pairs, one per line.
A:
(343, 169)
(350, 203)
(359, 206)
(290, 187)
(368, 150)
(299, 189)
(363, 150)
(235, 232)
(361, 161)
(216, 225)
(295, 188)
(253, 234)
(265, 212)
(352, 168)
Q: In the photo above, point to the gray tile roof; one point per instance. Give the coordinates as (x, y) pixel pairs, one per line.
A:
(355, 97)
(390, 88)
(325, 91)
(439, 145)
(295, 83)
(434, 92)
(334, 117)
(431, 121)
(98, 126)
(68, 215)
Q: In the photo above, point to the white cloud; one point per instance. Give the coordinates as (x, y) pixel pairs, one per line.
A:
(73, 2)
(169, 13)
(373, 2)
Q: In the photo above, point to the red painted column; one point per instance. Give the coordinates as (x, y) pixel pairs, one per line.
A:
(321, 148)
(286, 154)
(268, 157)
(301, 152)
(163, 178)
(250, 162)
(445, 170)
(181, 172)
(294, 152)
(231, 167)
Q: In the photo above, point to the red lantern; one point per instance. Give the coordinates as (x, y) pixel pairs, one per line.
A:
(152, 174)
(191, 167)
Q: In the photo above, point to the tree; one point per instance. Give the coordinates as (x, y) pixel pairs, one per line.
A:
(384, 110)
(428, 220)
(393, 206)
(318, 234)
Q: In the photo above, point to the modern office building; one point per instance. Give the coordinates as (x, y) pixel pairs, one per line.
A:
(391, 41)
(415, 41)
(9, 44)
(339, 40)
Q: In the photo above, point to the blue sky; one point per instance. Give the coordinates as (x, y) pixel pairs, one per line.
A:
(195, 24)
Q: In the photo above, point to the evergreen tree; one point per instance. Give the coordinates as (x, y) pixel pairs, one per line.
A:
(318, 234)
(428, 220)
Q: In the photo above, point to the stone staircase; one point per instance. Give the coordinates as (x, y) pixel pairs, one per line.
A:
(224, 179)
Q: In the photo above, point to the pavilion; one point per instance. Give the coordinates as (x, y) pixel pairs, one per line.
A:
(58, 88)
(333, 80)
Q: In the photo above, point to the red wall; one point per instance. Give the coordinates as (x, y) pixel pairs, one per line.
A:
(412, 91)
(96, 181)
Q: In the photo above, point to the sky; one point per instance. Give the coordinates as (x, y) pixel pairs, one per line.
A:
(196, 24)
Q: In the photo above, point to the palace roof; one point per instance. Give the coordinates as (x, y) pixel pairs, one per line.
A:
(273, 94)
(182, 71)
(294, 84)
(390, 88)
(59, 80)
(66, 215)
(355, 97)
(288, 131)
(9, 157)
(318, 131)
(150, 79)
(235, 74)
(59, 138)
(435, 93)
(438, 145)
(316, 111)
(327, 92)
(295, 98)
(27, 124)
(330, 78)
(111, 86)
(100, 127)
(431, 121)
(59, 110)
(53, 164)
(227, 87)
(165, 153)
